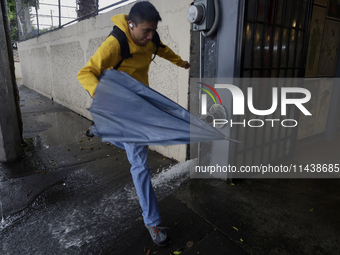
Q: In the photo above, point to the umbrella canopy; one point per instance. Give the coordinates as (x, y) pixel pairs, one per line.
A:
(126, 110)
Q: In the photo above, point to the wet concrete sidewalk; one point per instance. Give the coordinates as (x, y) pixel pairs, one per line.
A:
(74, 195)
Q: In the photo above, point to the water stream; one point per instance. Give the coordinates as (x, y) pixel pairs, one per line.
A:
(2, 224)
(83, 212)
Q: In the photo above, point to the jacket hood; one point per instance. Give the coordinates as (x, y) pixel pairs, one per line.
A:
(120, 21)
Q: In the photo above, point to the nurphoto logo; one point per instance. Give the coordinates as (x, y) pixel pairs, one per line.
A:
(238, 105)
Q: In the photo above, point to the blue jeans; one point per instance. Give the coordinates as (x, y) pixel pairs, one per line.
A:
(141, 176)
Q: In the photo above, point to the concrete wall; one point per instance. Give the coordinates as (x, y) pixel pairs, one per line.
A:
(17, 67)
(50, 63)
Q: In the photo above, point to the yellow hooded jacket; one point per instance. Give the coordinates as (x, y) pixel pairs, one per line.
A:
(108, 56)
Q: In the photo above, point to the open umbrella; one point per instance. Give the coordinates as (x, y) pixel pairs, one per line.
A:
(126, 110)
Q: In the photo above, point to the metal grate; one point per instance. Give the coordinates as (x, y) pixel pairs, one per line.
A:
(274, 46)
(35, 17)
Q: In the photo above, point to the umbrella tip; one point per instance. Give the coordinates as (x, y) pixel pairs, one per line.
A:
(232, 140)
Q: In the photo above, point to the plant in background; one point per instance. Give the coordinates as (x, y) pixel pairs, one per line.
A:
(12, 19)
(86, 8)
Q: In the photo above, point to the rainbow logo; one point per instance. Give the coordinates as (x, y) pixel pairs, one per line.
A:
(208, 92)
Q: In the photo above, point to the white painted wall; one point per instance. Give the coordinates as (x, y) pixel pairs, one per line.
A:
(50, 62)
(17, 68)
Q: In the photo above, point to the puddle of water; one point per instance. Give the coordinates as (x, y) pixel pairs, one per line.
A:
(65, 127)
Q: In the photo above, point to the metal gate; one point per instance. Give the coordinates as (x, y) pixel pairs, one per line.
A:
(274, 45)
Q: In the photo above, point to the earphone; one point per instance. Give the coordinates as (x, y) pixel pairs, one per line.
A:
(131, 25)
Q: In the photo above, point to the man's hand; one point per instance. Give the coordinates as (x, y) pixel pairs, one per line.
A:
(186, 65)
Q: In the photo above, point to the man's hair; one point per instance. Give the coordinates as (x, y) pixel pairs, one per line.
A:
(144, 11)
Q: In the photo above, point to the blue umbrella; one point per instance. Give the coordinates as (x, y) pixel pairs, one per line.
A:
(126, 110)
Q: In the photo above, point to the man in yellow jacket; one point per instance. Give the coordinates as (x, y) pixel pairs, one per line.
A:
(139, 27)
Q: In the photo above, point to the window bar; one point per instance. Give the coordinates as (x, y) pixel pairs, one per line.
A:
(287, 136)
(255, 147)
(280, 38)
(306, 28)
(271, 130)
(277, 143)
(263, 38)
(302, 33)
(66, 6)
(241, 32)
(291, 29)
(288, 41)
(271, 43)
(251, 75)
(270, 23)
(256, 132)
(59, 8)
(253, 36)
(36, 11)
(239, 151)
(28, 36)
(265, 128)
(244, 85)
(297, 31)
